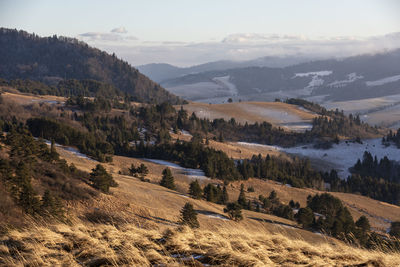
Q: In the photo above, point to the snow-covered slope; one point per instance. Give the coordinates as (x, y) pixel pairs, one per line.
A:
(342, 156)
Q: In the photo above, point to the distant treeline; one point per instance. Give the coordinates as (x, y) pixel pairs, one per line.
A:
(392, 138)
(334, 123)
(67, 88)
(372, 178)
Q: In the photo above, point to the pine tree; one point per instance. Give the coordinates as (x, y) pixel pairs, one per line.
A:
(101, 179)
(234, 211)
(224, 196)
(395, 229)
(52, 206)
(167, 179)
(195, 190)
(53, 152)
(363, 224)
(28, 200)
(305, 217)
(189, 216)
(242, 197)
(143, 170)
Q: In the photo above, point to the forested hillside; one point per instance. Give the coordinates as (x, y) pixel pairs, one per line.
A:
(53, 59)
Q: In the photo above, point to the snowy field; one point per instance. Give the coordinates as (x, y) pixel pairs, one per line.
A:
(364, 105)
(316, 80)
(216, 91)
(224, 82)
(191, 173)
(381, 111)
(383, 81)
(74, 151)
(352, 77)
(342, 156)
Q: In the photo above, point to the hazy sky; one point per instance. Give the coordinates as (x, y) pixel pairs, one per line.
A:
(187, 32)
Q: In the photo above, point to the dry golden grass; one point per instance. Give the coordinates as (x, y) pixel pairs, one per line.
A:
(250, 112)
(23, 99)
(129, 245)
(137, 225)
(377, 212)
(156, 198)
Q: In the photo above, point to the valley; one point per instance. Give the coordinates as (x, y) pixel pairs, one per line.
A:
(276, 161)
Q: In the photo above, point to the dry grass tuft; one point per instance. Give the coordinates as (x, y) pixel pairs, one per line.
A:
(129, 245)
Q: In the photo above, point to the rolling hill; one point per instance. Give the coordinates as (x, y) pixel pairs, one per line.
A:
(53, 59)
(353, 78)
(162, 72)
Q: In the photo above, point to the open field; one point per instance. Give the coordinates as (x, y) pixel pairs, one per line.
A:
(279, 114)
(24, 99)
(152, 197)
(136, 225)
(381, 111)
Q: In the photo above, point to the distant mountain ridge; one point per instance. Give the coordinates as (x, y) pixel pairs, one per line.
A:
(352, 78)
(161, 72)
(52, 59)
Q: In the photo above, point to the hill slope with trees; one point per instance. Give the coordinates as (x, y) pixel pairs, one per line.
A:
(53, 59)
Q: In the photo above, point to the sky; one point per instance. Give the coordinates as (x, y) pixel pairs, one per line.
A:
(186, 32)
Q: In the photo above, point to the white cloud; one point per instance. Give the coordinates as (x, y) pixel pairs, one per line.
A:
(95, 36)
(119, 30)
(242, 47)
(115, 35)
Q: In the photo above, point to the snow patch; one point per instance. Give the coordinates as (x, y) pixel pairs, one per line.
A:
(217, 216)
(383, 81)
(74, 151)
(277, 148)
(343, 155)
(314, 73)
(316, 80)
(224, 82)
(352, 77)
(191, 173)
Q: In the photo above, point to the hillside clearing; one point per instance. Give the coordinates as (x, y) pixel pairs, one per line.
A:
(287, 116)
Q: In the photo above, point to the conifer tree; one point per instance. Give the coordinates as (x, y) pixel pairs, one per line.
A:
(224, 196)
(167, 179)
(305, 217)
(101, 179)
(395, 229)
(52, 206)
(28, 200)
(363, 224)
(242, 197)
(53, 152)
(189, 216)
(234, 211)
(195, 190)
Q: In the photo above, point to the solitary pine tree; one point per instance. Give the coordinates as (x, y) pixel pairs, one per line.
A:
(234, 211)
(242, 197)
(224, 196)
(189, 216)
(167, 179)
(101, 179)
(195, 190)
(143, 170)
